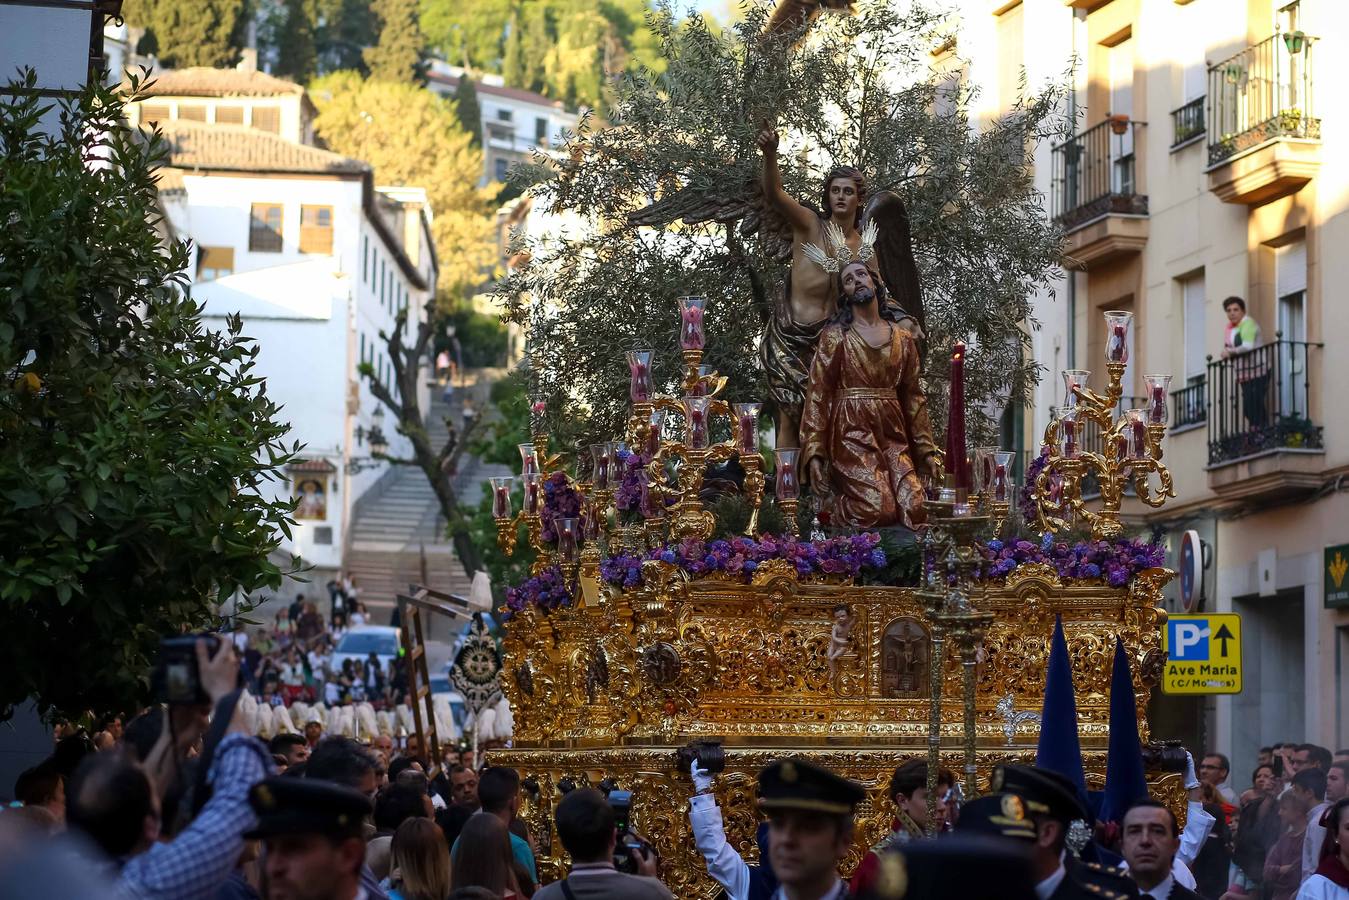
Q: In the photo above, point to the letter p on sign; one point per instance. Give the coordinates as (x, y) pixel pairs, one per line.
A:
(1188, 640)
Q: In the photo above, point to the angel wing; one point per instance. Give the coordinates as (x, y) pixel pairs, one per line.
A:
(894, 252)
(748, 206)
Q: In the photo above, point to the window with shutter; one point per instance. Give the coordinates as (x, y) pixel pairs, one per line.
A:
(264, 232)
(267, 118)
(316, 229)
(214, 262)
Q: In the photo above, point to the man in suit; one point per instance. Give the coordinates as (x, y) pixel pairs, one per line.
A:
(1151, 837)
(1052, 805)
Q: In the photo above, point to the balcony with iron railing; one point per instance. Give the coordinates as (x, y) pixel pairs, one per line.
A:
(1096, 195)
(1187, 123)
(1261, 432)
(1263, 133)
(1189, 405)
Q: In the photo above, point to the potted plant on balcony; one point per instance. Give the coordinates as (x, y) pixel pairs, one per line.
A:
(1290, 121)
(1119, 123)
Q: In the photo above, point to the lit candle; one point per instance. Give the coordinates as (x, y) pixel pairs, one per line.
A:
(1158, 385)
(501, 496)
(955, 422)
(639, 376)
(691, 335)
(1117, 335)
(655, 431)
(567, 530)
(1069, 421)
(786, 485)
(747, 427)
(529, 460)
(600, 453)
(695, 421)
(532, 482)
(1001, 460)
(1138, 434)
(1055, 489)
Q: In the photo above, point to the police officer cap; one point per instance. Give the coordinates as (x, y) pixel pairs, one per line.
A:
(1045, 793)
(958, 867)
(997, 815)
(306, 806)
(797, 784)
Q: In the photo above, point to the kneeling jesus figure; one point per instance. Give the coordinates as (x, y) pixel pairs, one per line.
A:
(865, 433)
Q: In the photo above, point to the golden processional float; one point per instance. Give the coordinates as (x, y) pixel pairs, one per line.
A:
(638, 634)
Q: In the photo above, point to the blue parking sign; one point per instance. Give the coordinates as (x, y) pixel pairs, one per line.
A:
(1188, 639)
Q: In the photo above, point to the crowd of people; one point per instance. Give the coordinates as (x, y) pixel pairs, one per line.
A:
(186, 801)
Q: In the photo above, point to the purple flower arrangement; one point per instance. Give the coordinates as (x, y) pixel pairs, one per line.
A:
(547, 591)
(845, 556)
(561, 500)
(1115, 562)
(1030, 510)
(628, 497)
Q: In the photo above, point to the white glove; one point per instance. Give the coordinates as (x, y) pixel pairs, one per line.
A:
(1191, 779)
(702, 779)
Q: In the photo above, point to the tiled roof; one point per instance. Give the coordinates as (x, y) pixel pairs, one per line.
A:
(194, 145)
(452, 83)
(202, 81)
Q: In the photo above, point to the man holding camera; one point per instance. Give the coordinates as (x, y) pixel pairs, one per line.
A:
(117, 802)
(587, 826)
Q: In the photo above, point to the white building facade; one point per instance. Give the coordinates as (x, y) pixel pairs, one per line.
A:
(318, 262)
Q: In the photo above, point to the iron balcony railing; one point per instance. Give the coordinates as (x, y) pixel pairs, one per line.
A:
(1094, 174)
(1259, 401)
(1263, 92)
(1187, 123)
(1189, 405)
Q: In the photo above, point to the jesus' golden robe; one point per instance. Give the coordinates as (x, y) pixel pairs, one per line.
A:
(866, 416)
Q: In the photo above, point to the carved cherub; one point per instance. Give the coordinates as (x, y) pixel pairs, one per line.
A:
(840, 636)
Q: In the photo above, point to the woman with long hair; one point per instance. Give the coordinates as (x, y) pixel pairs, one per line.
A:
(482, 858)
(419, 862)
(1331, 881)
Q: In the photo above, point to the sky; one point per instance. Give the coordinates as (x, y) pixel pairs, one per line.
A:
(720, 8)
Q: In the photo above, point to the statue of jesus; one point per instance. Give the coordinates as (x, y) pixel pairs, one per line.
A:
(865, 433)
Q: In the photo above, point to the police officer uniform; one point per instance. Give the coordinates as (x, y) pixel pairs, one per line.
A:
(287, 805)
(1047, 794)
(794, 784)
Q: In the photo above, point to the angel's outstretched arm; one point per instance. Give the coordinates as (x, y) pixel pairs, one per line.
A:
(802, 219)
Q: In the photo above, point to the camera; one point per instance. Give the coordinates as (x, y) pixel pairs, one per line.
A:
(711, 757)
(176, 678)
(1166, 756)
(621, 803)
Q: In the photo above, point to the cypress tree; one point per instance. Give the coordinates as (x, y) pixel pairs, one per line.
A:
(398, 55)
(296, 55)
(467, 109)
(513, 60)
(191, 32)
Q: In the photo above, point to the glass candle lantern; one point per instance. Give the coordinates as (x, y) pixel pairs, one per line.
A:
(568, 538)
(1000, 483)
(617, 450)
(501, 496)
(599, 454)
(1072, 379)
(787, 486)
(639, 376)
(655, 431)
(533, 483)
(747, 427)
(1137, 434)
(1072, 434)
(983, 468)
(590, 522)
(529, 460)
(1158, 386)
(1055, 485)
(696, 430)
(691, 335)
(1117, 335)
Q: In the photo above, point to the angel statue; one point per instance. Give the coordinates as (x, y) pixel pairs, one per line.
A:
(872, 230)
(865, 433)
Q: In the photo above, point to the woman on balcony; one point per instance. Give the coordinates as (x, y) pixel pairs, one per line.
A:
(1242, 336)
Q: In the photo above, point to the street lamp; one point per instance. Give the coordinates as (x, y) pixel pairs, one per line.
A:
(1293, 40)
(379, 444)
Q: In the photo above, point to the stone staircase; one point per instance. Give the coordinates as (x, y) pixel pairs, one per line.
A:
(395, 531)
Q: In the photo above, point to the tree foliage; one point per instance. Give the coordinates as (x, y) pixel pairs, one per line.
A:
(191, 32)
(568, 50)
(857, 90)
(297, 52)
(136, 447)
(412, 136)
(468, 110)
(397, 56)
